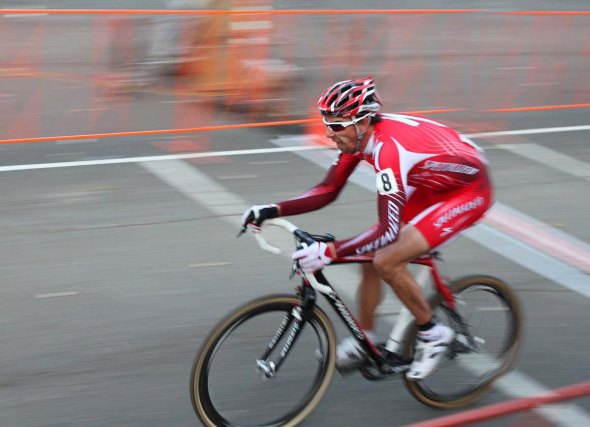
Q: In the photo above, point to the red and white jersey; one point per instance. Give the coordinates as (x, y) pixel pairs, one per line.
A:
(407, 153)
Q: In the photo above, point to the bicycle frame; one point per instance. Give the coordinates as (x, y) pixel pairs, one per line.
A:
(394, 344)
(318, 282)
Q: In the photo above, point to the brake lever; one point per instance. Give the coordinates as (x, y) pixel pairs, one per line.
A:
(293, 270)
(242, 231)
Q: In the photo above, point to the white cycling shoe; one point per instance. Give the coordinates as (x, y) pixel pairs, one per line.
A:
(430, 348)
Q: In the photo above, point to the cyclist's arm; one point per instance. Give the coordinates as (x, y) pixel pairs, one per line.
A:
(390, 201)
(323, 193)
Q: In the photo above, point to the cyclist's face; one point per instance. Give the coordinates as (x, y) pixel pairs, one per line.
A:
(345, 138)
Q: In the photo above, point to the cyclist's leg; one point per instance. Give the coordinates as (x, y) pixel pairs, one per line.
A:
(349, 354)
(369, 293)
(369, 296)
(441, 222)
(391, 262)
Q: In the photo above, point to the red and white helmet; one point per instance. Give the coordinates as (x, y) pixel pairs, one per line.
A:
(350, 98)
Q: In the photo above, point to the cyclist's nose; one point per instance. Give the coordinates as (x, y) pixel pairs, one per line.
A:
(329, 132)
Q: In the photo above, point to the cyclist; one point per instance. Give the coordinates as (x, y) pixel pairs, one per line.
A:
(432, 183)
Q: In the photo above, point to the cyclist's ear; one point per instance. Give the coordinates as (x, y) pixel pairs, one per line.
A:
(364, 124)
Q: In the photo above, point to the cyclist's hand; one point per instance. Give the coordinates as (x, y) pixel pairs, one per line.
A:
(257, 214)
(315, 256)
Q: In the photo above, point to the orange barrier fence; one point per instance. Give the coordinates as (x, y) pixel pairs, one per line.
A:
(279, 12)
(234, 12)
(157, 132)
(480, 415)
(187, 130)
(122, 72)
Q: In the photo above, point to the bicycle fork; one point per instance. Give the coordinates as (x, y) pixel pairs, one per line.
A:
(293, 322)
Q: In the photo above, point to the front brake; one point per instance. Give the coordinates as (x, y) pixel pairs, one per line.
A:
(242, 230)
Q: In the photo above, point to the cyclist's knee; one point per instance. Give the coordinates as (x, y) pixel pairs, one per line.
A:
(370, 273)
(387, 268)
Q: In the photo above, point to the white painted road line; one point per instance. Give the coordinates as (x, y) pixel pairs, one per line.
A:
(256, 151)
(530, 258)
(189, 180)
(515, 68)
(162, 158)
(551, 158)
(528, 131)
(230, 177)
(199, 187)
(269, 162)
(540, 236)
(76, 141)
(56, 295)
(210, 264)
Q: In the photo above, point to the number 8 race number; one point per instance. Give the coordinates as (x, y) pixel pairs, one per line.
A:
(386, 183)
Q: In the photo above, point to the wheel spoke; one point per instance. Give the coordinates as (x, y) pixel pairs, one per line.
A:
(232, 385)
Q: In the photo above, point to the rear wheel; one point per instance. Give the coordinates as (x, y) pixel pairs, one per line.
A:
(227, 388)
(491, 314)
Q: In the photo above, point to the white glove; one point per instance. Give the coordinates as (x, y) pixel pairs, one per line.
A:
(312, 258)
(257, 214)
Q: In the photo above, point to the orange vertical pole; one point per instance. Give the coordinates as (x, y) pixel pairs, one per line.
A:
(557, 71)
(250, 39)
(583, 95)
(412, 77)
(27, 122)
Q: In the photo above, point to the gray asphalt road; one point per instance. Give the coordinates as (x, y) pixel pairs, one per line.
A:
(113, 274)
(112, 278)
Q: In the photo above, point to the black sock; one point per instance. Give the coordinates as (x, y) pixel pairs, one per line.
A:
(425, 327)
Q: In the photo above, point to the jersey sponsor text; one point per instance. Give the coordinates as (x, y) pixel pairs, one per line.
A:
(459, 210)
(387, 237)
(449, 167)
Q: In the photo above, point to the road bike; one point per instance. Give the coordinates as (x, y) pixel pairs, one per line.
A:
(270, 361)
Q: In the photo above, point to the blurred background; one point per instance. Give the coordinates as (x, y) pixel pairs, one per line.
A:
(116, 261)
(274, 65)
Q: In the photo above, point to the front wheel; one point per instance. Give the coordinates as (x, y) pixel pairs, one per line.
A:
(228, 386)
(488, 333)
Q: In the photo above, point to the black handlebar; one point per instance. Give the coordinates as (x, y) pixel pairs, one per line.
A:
(305, 237)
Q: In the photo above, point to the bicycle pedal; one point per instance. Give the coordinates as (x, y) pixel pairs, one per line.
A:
(347, 371)
(352, 366)
(451, 354)
(400, 369)
(372, 373)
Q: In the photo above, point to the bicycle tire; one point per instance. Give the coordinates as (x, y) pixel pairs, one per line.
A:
(207, 411)
(507, 354)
